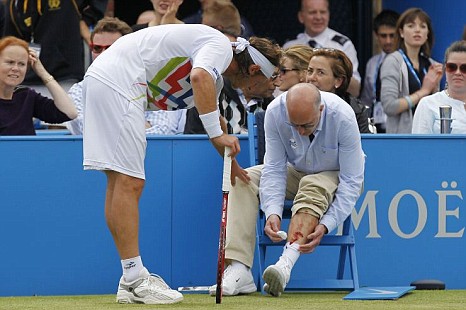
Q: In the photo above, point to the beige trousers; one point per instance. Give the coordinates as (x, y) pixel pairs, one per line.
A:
(314, 192)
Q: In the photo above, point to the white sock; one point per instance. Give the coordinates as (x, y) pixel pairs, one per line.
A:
(290, 254)
(238, 265)
(131, 268)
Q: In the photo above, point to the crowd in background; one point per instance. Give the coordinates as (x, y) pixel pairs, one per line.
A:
(115, 83)
(397, 82)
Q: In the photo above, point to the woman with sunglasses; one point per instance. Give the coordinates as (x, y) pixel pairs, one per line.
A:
(293, 66)
(331, 70)
(426, 119)
(408, 74)
(19, 104)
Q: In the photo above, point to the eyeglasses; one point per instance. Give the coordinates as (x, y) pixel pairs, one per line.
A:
(452, 67)
(98, 48)
(283, 71)
(304, 126)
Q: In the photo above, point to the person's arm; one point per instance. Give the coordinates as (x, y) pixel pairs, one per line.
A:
(205, 99)
(91, 11)
(391, 73)
(351, 161)
(60, 97)
(274, 173)
(85, 32)
(75, 126)
(424, 119)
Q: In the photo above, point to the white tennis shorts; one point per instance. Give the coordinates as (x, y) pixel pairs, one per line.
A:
(114, 130)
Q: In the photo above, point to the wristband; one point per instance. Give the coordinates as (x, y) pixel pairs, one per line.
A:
(48, 80)
(211, 122)
(410, 102)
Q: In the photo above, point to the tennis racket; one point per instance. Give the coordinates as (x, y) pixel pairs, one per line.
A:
(223, 224)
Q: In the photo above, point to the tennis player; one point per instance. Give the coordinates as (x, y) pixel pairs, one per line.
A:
(166, 67)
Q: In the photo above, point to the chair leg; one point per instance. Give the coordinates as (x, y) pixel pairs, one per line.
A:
(261, 267)
(354, 266)
(342, 262)
(260, 254)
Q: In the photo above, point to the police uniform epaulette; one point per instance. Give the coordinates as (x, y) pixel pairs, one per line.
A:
(340, 39)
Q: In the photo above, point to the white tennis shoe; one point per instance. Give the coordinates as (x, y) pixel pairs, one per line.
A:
(148, 289)
(236, 281)
(276, 277)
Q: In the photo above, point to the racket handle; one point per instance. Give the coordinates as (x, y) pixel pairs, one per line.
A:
(226, 184)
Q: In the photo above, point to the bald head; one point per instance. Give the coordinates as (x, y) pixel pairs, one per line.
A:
(303, 95)
(303, 103)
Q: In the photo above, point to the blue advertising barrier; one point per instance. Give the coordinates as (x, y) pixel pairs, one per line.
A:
(409, 221)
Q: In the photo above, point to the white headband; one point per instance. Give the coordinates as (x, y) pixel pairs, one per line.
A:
(266, 66)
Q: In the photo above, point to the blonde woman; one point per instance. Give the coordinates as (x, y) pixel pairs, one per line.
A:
(293, 66)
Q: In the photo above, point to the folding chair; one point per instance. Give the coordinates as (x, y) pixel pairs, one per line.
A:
(345, 241)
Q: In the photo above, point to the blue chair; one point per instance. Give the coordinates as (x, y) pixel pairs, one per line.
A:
(345, 241)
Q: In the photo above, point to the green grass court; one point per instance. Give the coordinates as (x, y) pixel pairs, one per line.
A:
(454, 299)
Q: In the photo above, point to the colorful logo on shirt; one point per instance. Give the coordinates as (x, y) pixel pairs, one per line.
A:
(171, 89)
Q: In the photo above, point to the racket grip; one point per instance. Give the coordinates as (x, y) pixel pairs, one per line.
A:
(226, 184)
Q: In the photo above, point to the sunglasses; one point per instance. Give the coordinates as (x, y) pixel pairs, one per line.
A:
(98, 48)
(452, 67)
(283, 71)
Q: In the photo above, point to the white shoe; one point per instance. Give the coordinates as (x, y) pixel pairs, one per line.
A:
(148, 289)
(276, 278)
(235, 281)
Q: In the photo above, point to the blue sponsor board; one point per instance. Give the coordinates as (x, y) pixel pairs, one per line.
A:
(409, 221)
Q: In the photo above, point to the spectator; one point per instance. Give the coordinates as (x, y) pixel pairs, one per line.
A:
(330, 70)
(54, 29)
(408, 74)
(105, 33)
(325, 188)
(315, 16)
(224, 16)
(426, 119)
(234, 106)
(150, 61)
(293, 66)
(165, 122)
(164, 13)
(196, 18)
(145, 17)
(252, 98)
(384, 31)
(18, 105)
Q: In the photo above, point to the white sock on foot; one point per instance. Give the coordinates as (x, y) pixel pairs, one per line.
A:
(290, 253)
(131, 268)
